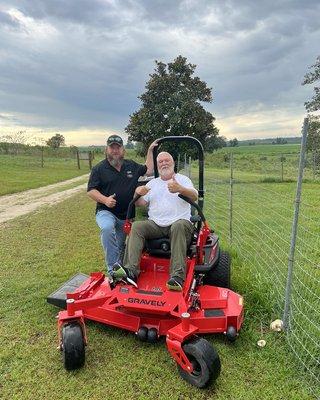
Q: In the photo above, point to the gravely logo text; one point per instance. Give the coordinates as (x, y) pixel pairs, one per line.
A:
(147, 302)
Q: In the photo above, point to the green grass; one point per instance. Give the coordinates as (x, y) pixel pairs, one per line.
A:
(39, 252)
(265, 149)
(18, 173)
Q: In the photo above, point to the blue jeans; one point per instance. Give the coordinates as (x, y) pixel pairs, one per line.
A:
(112, 237)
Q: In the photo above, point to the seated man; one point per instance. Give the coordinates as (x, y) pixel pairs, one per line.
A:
(168, 216)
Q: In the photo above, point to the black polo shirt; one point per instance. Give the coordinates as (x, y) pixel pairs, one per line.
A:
(107, 180)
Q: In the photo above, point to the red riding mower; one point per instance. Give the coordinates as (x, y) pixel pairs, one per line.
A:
(205, 305)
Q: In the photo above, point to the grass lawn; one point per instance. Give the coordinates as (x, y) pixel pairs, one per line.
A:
(18, 173)
(41, 251)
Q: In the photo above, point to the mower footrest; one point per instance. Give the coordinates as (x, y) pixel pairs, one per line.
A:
(58, 298)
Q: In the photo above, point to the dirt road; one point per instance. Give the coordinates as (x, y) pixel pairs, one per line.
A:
(15, 205)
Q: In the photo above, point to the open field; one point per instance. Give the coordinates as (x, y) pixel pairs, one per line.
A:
(265, 149)
(62, 240)
(18, 173)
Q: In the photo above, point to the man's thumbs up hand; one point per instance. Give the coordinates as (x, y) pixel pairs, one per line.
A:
(174, 186)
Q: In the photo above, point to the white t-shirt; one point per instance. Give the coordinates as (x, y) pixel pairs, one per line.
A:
(164, 207)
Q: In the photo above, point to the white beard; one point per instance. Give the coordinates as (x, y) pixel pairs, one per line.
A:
(165, 172)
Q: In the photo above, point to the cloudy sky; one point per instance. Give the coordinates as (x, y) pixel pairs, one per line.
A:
(77, 66)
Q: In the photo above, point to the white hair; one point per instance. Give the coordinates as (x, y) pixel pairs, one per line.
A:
(166, 153)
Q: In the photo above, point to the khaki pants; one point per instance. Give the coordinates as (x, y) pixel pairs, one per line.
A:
(180, 234)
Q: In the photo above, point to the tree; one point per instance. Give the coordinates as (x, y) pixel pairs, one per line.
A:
(233, 142)
(129, 145)
(14, 142)
(56, 141)
(171, 106)
(313, 138)
(309, 78)
(215, 142)
(279, 141)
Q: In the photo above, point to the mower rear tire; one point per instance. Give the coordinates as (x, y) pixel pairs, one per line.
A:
(220, 274)
(205, 361)
(73, 346)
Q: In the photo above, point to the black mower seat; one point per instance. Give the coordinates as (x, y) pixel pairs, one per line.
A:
(160, 247)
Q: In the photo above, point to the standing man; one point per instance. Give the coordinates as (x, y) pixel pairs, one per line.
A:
(169, 215)
(112, 184)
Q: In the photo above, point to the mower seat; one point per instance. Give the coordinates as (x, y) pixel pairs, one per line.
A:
(160, 247)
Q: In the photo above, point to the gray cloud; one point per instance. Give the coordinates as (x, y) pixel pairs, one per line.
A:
(80, 63)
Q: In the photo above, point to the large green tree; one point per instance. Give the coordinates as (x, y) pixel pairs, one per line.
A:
(171, 105)
(313, 139)
(312, 77)
(56, 141)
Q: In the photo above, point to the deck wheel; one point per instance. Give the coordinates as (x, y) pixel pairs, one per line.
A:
(205, 361)
(73, 346)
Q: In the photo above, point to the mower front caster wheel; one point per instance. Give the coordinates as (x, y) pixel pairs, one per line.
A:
(205, 361)
(73, 346)
(147, 335)
(152, 336)
(142, 334)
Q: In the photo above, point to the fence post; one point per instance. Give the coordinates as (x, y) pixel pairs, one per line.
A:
(231, 199)
(78, 159)
(282, 167)
(90, 160)
(294, 228)
(42, 160)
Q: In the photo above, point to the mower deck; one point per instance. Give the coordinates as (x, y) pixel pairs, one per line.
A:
(151, 305)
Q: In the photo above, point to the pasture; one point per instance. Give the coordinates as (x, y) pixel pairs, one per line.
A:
(23, 172)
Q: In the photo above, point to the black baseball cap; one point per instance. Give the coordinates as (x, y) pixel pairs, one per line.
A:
(114, 139)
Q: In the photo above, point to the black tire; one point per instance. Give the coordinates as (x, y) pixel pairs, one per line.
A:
(73, 346)
(205, 361)
(220, 275)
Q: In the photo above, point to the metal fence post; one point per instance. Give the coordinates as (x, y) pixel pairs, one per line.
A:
(286, 311)
(282, 167)
(231, 199)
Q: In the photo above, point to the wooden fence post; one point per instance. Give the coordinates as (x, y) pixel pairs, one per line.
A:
(90, 160)
(42, 160)
(78, 159)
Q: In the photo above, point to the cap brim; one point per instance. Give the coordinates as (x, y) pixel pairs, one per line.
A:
(119, 144)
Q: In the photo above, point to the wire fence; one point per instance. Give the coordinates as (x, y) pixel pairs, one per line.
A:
(45, 156)
(253, 214)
